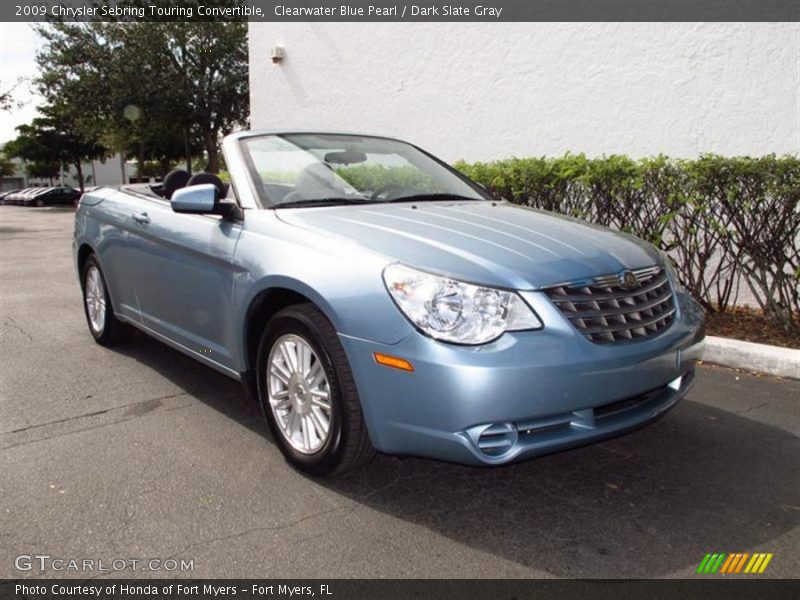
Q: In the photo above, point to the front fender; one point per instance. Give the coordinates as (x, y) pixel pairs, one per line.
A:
(344, 281)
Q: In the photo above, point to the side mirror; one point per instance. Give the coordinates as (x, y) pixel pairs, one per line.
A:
(195, 199)
(203, 199)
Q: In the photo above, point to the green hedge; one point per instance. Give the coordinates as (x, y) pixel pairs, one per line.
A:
(377, 177)
(727, 222)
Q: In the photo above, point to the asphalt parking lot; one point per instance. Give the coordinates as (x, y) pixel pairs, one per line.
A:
(140, 453)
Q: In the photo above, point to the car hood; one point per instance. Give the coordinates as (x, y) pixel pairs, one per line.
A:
(498, 244)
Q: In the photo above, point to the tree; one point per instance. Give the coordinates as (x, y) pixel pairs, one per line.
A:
(187, 81)
(7, 167)
(41, 161)
(53, 140)
(210, 62)
(7, 95)
(6, 99)
(43, 169)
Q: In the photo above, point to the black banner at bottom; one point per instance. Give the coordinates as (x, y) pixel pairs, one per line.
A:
(396, 589)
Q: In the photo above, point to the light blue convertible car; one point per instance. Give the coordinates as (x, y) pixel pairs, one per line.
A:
(372, 298)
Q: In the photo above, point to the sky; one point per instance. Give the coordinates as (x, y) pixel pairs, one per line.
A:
(18, 45)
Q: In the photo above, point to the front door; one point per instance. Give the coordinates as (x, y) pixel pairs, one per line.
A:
(183, 271)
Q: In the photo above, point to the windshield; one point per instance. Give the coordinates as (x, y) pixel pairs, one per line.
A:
(327, 169)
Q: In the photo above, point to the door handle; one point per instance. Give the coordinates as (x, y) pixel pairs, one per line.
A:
(141, 218)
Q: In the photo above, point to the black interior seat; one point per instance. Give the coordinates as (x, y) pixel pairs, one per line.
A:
(175, 180)
(200, 178)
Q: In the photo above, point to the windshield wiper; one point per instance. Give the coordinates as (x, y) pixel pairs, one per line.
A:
(321, 202)
(433, 197)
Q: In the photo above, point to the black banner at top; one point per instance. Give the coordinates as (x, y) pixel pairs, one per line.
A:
(399, 11)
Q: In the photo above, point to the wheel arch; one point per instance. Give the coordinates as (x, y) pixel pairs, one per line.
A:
(84, 251)
(272, 297)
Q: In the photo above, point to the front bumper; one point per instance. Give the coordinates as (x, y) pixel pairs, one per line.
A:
(526, 394)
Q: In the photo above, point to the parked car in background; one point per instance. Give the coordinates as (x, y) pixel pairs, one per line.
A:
(27, 197)
(53, 196)
(373, 298)
(21, 197)
(8, 193)
(11, 197)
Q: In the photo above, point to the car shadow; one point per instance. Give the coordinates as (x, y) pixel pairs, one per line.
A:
(214, 389)
(644, 505)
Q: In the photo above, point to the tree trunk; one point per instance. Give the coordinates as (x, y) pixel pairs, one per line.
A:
(186, 148)
(79, 168)
(210, 140)
(140, 167)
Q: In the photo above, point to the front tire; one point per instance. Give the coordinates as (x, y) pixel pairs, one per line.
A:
(104, 326)
(308, 394)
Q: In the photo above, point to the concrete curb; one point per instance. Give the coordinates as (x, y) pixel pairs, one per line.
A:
(774, 360)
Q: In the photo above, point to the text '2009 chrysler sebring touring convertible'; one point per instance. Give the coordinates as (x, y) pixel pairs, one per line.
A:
(373, 298)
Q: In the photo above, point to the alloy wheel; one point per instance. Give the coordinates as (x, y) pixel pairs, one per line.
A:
(299, 394)
(95, 299)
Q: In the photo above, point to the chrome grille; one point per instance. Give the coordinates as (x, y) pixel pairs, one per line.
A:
(618, 308)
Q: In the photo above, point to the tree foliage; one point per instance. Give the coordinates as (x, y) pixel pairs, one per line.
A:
(7, 95)
(158, 91)
(7, 168)
(50, 141)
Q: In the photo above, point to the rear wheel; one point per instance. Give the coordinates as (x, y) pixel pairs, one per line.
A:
(104, 326)
(309, 395)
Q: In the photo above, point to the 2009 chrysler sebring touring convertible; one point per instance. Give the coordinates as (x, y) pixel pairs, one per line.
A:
(373, 298)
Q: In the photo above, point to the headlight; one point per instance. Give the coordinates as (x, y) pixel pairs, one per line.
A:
(454, 311)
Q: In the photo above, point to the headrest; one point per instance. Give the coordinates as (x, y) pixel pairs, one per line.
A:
(199, 178)
(175, 179)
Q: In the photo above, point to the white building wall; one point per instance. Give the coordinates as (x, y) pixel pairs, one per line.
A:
(98, 172)
(107, 172)
(485, 91)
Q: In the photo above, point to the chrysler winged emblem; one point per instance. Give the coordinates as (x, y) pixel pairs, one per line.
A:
(628, 279)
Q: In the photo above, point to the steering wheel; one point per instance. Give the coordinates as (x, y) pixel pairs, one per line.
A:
(387, 192)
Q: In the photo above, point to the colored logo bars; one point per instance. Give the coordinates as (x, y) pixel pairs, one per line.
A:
(739, 562)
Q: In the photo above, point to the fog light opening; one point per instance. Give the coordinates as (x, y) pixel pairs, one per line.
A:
(393, 362)
(497, 439)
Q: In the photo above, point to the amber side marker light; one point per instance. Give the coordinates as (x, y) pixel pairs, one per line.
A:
(393, 362)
